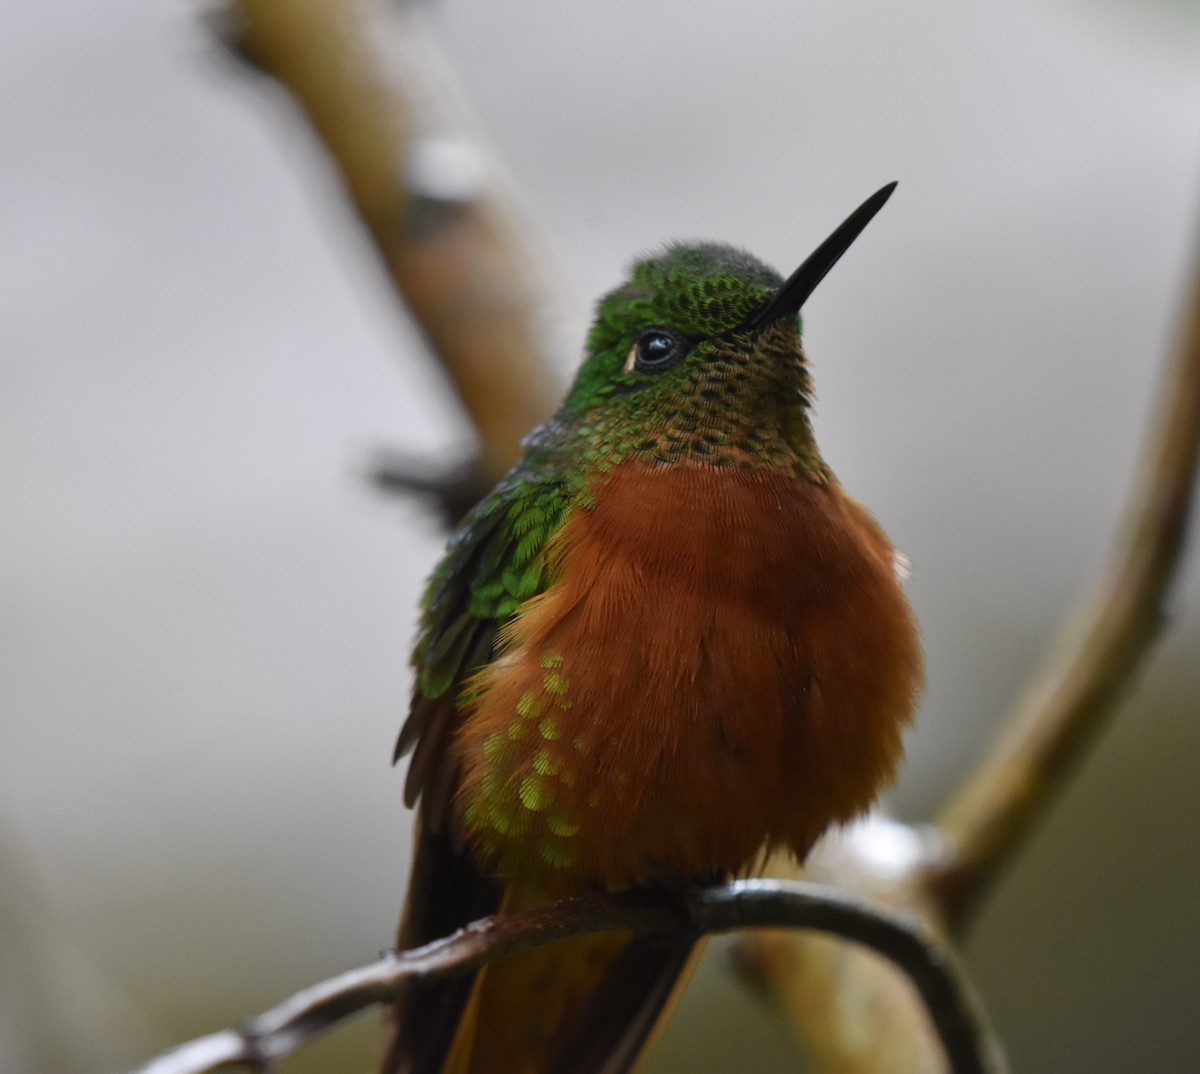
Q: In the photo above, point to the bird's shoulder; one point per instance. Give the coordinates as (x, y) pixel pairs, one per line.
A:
(496, 560)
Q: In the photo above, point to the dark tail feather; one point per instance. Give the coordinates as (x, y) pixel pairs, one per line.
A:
(445, 893)
(620, 1015)
(426, 1019)
(620, 990)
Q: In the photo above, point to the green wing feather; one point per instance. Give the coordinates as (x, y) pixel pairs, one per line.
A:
(496, 560)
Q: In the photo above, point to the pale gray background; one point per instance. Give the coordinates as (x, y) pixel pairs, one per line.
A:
(204, 613)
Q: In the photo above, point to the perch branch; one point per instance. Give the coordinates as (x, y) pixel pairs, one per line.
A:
(372, 84)
(1096, 656)
(952, 1008)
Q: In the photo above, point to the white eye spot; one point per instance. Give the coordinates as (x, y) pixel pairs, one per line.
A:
(630, 359)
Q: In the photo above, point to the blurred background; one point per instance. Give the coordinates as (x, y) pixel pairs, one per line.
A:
(205, 610)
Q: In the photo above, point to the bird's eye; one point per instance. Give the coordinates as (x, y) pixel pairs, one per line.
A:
(655, 350)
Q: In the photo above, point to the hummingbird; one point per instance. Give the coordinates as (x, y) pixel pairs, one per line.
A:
(665, 644)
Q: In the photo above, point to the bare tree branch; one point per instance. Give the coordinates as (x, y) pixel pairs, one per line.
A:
(1096, 654)
(953, 1009)
(847, 1009)
(371, 81)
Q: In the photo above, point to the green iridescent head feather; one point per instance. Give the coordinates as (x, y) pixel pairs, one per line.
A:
(702, 291)
(701, 298)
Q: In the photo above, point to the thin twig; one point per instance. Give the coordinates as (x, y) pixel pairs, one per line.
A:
(1096, 656)
(952, 1007)
(372, 83)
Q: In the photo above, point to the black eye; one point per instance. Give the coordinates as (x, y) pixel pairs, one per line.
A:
(656, 349)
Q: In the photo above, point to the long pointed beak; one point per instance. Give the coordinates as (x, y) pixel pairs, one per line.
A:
(801, 283)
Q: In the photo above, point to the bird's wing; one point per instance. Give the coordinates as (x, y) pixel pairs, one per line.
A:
(496, 560)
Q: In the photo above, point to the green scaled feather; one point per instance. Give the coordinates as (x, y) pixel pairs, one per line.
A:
(496, 561)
